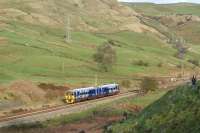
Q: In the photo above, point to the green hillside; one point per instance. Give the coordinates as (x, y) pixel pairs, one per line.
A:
(176, 112)
(33, 48)
(39, 53)
(179, 20)
(165, 9)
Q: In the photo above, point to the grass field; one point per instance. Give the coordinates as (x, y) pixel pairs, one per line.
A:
(39, 53)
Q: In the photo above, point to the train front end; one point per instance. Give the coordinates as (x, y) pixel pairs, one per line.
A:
(70, 97)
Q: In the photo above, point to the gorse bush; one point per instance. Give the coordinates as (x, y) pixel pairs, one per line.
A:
(160, 64)
(141, 63)
(194, 62)
(149, 84)
(126, 83)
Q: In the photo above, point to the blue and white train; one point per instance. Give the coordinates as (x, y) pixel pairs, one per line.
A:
(82, 94)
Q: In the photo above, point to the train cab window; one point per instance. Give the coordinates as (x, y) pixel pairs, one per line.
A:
(68, 93)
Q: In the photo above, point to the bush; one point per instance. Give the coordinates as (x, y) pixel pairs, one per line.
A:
(181, 50)
(114, 43)
(149, 84)
(141, 63)
(105, 56)
(194, 62)
(160, 64)
(126, 83)
(179, 66)
(180, 23)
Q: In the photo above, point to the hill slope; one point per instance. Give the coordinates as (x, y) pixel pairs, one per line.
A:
(32, 42)
(87, 15)
(176, 112)
(165, 9)
(180, 20)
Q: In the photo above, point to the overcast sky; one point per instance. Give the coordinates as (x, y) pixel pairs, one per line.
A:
(162, 1)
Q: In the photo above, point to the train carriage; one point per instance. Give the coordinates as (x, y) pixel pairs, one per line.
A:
(83, 94)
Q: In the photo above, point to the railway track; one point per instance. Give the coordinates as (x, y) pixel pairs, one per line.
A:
(52, 112)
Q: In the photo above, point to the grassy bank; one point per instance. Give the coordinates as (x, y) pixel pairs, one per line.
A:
(177, 111)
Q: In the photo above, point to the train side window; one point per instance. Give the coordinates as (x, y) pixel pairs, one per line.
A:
(99, 90)
(78, 93)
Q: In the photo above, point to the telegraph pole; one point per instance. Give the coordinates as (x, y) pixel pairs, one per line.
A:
(63, 66)
(96, 80)
(68, 29)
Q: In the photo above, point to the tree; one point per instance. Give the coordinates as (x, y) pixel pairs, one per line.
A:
(149, 84)
(181, 51)
(105, 56)
(181, 47)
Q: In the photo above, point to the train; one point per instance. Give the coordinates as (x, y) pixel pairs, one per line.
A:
(89, 93)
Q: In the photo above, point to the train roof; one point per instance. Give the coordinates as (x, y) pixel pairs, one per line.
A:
(90, 88)
(109, 85)
(80, 89)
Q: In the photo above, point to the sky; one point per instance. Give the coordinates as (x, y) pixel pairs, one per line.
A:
(162, 1)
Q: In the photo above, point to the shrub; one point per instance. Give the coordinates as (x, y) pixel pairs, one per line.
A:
(105, 56)
(82, 131)
(160, 64)
(179, 66)
(126, 83)
(149, 84)
(114, 43)
(194, 62)
(141, 63)
(181, 50)
(180, 23)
